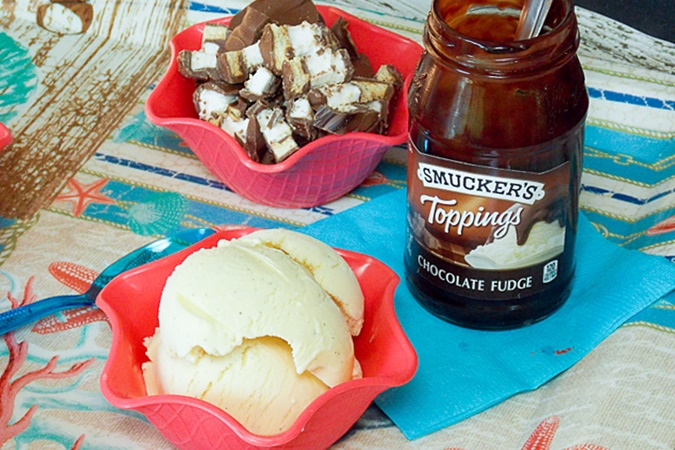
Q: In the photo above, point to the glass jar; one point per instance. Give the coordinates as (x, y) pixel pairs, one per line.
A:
(494, 163)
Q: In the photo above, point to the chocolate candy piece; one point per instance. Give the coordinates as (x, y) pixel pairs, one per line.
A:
(214, 36)
(65, 16)
(235, 66)
(254, 144)
(329, 67)
(245, 27)
(212, 100)
(277, 133)
(347, 119)
(299, 115)
(199, 65)
(344, 38)
(389, 74)
(248, 23)
(262, 84)
(275, 47)
(353, 92)
(361, 63)
(235, 126)
(295, 78)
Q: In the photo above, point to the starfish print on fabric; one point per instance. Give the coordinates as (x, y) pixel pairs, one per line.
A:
(82, 195)
(78, 278)
(542, 438)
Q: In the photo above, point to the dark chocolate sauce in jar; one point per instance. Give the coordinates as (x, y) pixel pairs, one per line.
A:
(494, 162)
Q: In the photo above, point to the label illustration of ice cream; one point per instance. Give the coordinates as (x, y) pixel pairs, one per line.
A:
(482, 232)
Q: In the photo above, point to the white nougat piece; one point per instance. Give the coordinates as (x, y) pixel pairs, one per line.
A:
(252, 57)
(212, 103)
(261, 84)
(341, 94)
(235, 126)
(201, 60)
(301, 109)
(307, 38)
(328, 67)
(277, 132)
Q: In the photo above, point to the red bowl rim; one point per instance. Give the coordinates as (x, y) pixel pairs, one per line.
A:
(5, 136)
(377, 384)
(383, 140)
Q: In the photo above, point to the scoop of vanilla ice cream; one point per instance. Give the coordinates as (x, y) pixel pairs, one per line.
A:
(243, 289)
(274, 301)
(544, 241)
(327, 267)
(257, 372)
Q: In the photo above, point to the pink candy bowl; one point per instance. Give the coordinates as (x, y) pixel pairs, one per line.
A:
(5, 137)
(131, 301)
(319, 172)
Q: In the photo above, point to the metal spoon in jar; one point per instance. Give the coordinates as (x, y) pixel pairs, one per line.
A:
(532, 18)
(26, 314)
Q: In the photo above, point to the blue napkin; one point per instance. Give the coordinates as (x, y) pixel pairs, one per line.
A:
(461, 371)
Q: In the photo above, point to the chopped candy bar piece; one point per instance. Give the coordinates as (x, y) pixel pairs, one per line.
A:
(334, 95)
(198, 65)
(213, 37)
(347, 119)
(373, 90)
(329, 67)
(262, 84)
(356, 91)
(212, 99)
(234, 67)
(231, 67)
(299, 116)
(275, 46)
(246, 26)
(252, 57)
(389, 74)
(254, 144)
(277, 133)
(295, 78)
(344, 38)
(361, 63)
(235, 127)
(308, 38)
(248, 23)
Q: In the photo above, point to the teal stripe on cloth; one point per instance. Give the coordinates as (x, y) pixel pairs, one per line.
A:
(638, 158)
(463, 372)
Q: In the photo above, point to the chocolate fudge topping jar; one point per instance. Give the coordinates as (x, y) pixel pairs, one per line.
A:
(494, 161)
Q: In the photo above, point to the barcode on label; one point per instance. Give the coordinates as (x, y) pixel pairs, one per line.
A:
(550, 271)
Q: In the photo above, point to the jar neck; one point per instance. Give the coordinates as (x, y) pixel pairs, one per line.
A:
(472, 51)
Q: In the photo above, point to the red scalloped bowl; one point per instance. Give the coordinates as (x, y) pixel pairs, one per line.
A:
(5, 137)
(320, 171)
(131, 301)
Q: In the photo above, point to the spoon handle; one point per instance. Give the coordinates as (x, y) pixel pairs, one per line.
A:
(532, 19)
(26, 314)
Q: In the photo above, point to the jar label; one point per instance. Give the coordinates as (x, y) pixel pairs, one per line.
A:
(488, 233)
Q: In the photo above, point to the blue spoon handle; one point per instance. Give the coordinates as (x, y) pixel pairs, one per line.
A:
(27, 314)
